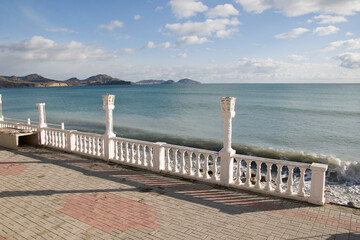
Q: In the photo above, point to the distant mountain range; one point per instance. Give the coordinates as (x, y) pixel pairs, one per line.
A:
(35, 80)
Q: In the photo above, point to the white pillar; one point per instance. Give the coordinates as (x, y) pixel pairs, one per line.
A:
(42, 123)
(159, 156)
(226, 153)
(1, 116)
(108, 106)
(317, 195)
(42, 117)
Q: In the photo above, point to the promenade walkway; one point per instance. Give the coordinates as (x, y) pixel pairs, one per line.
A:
(46, 194)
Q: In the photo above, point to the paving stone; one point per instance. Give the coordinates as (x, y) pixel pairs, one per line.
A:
(46, 194)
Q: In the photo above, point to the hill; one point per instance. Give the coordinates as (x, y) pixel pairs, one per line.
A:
(35, 80)
(181, 81)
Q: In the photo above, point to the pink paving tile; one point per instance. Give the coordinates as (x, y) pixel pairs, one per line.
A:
(107, 211)
(11, 168)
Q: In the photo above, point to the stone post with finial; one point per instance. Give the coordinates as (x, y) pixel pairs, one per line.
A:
(108, 106)
(42, 122)
(226, 153)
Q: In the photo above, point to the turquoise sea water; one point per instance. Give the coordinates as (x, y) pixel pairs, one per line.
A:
(299, 122)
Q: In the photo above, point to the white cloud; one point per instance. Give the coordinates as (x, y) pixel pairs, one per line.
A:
(327, 19)
(126, 51)
(349, 34)
(60, 30)
(295, 57)
(159, 8)
(181, 55)
(349, 60)
(202, 28)
(350, 44)
(323, 31)
(39, 48)
(302, 7)
(226, 33)
(189, 40)
(187, 8)
(137, 17)
(292, 34)
(151, 44)
(259, 66)
(112, 25)
(225, 10)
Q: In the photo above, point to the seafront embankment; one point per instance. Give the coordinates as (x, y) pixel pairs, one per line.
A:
(49, 194)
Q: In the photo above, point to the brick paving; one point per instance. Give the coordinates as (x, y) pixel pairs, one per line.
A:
(45, 194)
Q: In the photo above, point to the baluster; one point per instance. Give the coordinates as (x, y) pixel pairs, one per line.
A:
(116, 148)
(57, 136)
(76, 143)
(214, 176)
(64, 140)
(167, 159)
(268, 177)
(98, 149)
(93, 141)
(190, 172)
(248, 173)
(90, 145)
(144, 163)
(51, 138)
(278, 178)
(258, 175)
(138, 154)
(85, 144)
(151, 163)
(197, 172)
(126, 153)
(132, 157)
(301, 191)
(121, 151)
(175, 169)
(182, 162)
(238, 172)
(54, 139)
(81, 139)
(206, 166)
(290, 181)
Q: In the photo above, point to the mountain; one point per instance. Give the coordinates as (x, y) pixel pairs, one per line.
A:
(35, 80)
(100, 79)
(187, 81)
(181, 81)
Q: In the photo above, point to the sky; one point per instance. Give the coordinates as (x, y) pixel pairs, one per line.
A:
(211, 41)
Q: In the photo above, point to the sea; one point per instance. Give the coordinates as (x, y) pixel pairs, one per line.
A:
(295, 122)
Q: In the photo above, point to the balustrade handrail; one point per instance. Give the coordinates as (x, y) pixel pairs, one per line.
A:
(14, 119)
(190, 149)
(272, 161)
(133, 141)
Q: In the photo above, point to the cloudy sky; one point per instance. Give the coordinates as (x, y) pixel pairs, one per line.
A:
(212, 41)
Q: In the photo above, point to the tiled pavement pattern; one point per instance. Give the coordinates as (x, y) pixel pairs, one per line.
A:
(46, 194)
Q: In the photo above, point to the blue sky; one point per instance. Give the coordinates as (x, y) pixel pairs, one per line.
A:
(233, 41)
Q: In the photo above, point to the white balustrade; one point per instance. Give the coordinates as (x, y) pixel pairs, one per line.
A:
(285, 171)
(133, 152)
(275, 177)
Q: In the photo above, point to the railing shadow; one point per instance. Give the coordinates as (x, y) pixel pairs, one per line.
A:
(225, 200)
